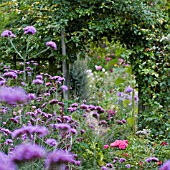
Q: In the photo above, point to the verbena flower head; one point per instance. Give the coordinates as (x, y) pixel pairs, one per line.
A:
(40, 131)
(5, 163)
(39, 77)
(51, 142)
(63, 127)
(64, 88)
(38, 81)
(27, 152)
(165, 166)
(13, 95)
(127, 166)
(128, 89)
(2, 82)
(7, 33)
(152, 159)
(31, 96)
(104, 168)
(10, 74)
(109, 165)
(121, 160)
(29, 30)
(57, 159)
(51, 44)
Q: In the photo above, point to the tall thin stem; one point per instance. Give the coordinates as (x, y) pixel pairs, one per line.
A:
(15, 48)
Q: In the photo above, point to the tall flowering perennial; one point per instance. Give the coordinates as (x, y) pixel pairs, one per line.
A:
(57, 160)
(63, 127)
(13, 95)
(29, 130)
(27, 152)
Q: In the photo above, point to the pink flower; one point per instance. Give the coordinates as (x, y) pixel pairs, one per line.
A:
(106, 146)
(98, 67)
(108, 59)
(122, 144)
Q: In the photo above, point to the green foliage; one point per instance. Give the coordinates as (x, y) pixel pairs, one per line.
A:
(140, 25)
(79, 81)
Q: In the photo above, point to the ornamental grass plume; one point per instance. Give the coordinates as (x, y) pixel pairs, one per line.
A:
(27, 152)
(13, 95)
(57, 160)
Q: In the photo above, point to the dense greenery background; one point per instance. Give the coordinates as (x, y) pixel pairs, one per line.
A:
(140, 26)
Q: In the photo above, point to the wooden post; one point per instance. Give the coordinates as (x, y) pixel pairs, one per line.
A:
(65, 67)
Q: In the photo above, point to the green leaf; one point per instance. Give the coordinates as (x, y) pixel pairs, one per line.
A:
(130, 121)
(119, 80)
(126, 102)
(129, 70)
(112, 62)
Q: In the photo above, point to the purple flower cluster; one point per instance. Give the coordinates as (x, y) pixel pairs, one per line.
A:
(152, 159)
(51, 142)
(64, 88)
(29, 30)
(88, 108)
(2, 82)
(57, 160)
(27, 152)
(13, 95)
(37, 81)
(10, 74)
(128, 89)
(64, 128)
(40, 131)
(7, 33)
(165, 166)
(51, 44)
(5, 163)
